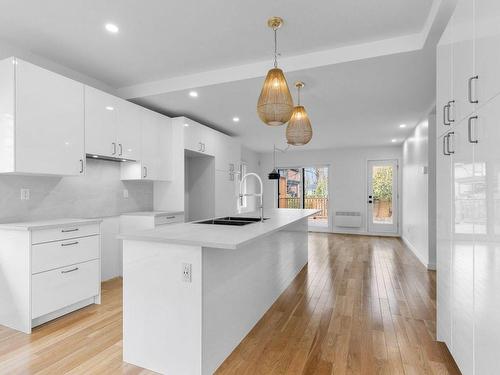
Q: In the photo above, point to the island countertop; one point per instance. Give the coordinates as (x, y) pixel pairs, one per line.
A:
(221, 236)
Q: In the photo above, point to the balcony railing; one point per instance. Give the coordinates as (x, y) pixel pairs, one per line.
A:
(317, 203)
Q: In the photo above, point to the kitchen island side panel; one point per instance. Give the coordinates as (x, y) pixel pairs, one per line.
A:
(240, 286)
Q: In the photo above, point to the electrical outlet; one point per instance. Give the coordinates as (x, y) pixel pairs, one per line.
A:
(125, 193)
(187, 272)
(25, 194)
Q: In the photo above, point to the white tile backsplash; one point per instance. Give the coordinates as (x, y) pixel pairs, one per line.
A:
(97, 194)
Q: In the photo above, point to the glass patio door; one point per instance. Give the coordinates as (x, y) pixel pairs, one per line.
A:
(305, 187)
(382, 196)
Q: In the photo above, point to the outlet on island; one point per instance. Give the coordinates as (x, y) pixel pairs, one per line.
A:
(187, 272)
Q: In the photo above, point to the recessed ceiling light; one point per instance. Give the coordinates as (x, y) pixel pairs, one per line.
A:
(402, 126)
(109, 108)
(394, 140)
(186, 125)
(236, 119)
(193, 94)
(112, 28)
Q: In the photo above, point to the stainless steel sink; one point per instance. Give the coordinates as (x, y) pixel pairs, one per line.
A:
(231, 220)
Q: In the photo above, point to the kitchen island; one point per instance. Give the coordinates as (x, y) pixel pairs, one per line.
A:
(192, 292)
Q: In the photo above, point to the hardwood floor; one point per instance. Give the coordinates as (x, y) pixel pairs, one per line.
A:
(363, 305)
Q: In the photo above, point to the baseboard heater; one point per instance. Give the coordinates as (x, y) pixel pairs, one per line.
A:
(347, 219)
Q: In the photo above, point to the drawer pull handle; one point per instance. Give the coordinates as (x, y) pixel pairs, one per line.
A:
(71, 270)
(169, 217)
(69, 230)
(70, 243)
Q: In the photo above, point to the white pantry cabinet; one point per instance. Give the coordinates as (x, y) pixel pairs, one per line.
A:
(156, 161)
(112, 126)
(49, 269)
(41, 121)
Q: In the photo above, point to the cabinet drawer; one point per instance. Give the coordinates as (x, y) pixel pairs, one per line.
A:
(50, 255)
(169, 219)
(62, 233)
(53, 290)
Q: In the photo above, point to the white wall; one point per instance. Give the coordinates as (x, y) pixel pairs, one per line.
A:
(347, 177)
(418, 190)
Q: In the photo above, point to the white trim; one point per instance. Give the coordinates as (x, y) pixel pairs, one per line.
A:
(429, 266)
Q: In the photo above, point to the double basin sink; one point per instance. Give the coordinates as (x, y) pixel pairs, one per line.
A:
(231, 220)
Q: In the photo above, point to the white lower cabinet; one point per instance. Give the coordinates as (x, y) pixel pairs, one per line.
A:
(49, 269)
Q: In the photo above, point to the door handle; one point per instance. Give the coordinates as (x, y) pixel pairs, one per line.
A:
(444, 146)
(469, 129)
(114, 148)
(81, 165)
(200, 146)
(445, 117)
(450, 120)
(448, 143)
(71, 270)
(145, 172)
(121, 149)
(472, 101)
(69, 243)
(69, 230)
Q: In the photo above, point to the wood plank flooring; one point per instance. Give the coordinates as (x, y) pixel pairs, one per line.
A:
(363, 305)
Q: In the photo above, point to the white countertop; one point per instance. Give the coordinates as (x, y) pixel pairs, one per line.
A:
(153, 213)
(221, 236)
(47, 224)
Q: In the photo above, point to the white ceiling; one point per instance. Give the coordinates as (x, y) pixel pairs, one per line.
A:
(359, 103)
(353, 97)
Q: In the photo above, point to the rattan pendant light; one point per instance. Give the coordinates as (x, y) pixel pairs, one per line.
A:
(299, 130)
(275, 103)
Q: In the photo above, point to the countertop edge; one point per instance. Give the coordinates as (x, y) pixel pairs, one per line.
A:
(30, 227)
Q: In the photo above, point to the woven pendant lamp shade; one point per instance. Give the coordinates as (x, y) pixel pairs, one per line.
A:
(275, 104)
(299, 129)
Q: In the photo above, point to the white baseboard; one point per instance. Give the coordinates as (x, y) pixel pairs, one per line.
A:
(427, 265)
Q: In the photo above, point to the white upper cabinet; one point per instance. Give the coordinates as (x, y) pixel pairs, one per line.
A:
(41, 121)
(128, 124)
(444, 69)
(464, 78)
(487, 53)
(100, 123)
(198, 137)
(112, 126)
(156, 160)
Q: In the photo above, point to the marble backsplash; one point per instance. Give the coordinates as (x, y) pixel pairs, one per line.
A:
(100, 193)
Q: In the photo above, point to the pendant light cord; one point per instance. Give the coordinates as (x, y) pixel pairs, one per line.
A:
(275, 47)
(298, 95)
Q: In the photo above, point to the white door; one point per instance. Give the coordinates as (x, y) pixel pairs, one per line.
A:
(382, 196)
(49, 122)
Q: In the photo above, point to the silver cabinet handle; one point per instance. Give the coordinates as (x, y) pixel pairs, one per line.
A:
(69, 230)
(121, 149)
(444, 146)
(469, 129)
(448, 143)
(203, 144)
(169, 217)
(472, 101)
(114, 148)
(145, 172)
(200, 146)
(70, 243)
(445, 116)
(81, 165)
(450, 120)
(71, 270)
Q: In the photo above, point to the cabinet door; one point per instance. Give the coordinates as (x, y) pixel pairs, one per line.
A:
(463, 57)
(487, 242)
(100, 123)
(487, 53)
(128, 135)
(166, 149)
(444, 79)
(444, 235)
(150, 146)
(193, 136)
(49, 122)
(463, 249)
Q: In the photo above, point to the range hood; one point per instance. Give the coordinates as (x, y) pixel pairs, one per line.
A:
(109, 158)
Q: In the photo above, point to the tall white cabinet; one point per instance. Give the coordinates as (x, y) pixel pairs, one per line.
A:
(468, 191)
(41, 121)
